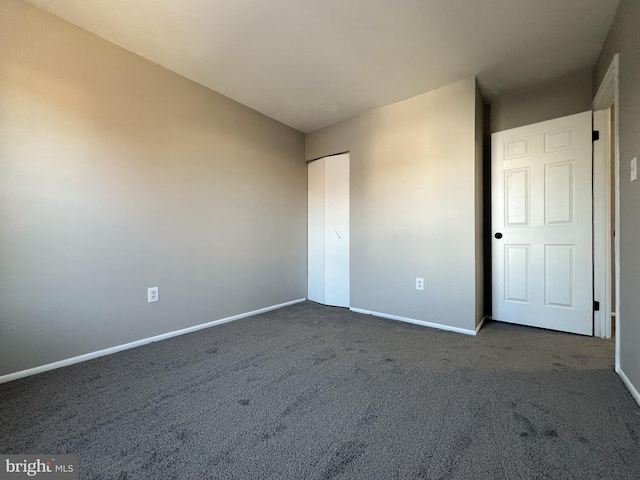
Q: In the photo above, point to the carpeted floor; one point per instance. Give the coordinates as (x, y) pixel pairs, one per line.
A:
(314, 392)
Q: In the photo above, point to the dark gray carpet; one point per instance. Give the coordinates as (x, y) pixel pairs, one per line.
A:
(314, 392)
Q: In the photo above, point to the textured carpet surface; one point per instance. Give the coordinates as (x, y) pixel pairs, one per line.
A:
(315, 392)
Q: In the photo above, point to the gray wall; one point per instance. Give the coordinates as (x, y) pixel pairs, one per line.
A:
(413, 194)
(557, 98)
(117, 175)
(624, 38)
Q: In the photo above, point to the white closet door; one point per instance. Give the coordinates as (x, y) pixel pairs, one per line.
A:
(315, 261)
(336, 259)
(328, 235)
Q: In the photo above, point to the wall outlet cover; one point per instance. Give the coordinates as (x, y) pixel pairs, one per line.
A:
(152, 294)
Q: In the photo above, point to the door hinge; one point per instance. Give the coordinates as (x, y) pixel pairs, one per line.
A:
(595, 136)
(596, 306)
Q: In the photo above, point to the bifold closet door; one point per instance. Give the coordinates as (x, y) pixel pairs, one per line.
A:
(315, 233)
(328, 236)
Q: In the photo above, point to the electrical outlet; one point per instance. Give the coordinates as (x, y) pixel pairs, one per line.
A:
(152, 294)
(419, 283)
(634, 169)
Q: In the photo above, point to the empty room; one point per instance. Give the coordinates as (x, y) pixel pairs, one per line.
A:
(319, 239)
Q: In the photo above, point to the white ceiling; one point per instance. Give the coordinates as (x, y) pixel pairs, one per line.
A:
(311, 63)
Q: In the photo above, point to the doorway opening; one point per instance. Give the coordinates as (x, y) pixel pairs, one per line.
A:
(607, 162)
(606, 207)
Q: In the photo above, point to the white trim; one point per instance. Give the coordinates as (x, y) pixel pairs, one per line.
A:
(138, 343)
(417, 322)
(634, 393)
(479, 326)
(608, 95)
(602, 223)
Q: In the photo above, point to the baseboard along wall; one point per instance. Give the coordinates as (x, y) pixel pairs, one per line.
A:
(421, 322)
(138, 343)
(632, 389)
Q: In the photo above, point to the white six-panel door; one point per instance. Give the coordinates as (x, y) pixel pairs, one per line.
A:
(542, 225)
(328, 231)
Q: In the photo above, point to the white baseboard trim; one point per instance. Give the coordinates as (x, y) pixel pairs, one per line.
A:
(479, 326)
(634, 392)
(138, 343)
(417, 322)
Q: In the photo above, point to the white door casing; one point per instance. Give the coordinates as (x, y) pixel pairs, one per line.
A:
(328, 251)
(602, 228)
(542, 207)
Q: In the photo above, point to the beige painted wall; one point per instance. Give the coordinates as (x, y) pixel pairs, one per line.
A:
(557, 98)
(624, 38)
(413, 194)
(117, 175)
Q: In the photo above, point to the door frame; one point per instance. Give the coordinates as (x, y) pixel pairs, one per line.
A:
(602, 231)
(605, 98)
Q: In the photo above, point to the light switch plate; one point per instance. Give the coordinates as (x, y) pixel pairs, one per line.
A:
(634, 169)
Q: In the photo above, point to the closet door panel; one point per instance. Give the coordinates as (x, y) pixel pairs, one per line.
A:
(316, 232)
(337, 230)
